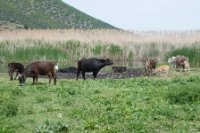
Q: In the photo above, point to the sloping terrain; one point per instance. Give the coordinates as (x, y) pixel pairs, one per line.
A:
(47, 14)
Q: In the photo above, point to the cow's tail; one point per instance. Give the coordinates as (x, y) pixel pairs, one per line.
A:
(56, 67)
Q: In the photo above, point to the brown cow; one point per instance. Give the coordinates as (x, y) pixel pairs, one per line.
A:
(15, 67)
(179, 61)
(150, 65)
(36, 68)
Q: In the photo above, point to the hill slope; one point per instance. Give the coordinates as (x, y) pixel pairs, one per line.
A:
(47, 14)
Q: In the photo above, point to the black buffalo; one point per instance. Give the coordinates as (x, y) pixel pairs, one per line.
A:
(92, 65)
(68, 70)
(15, 67)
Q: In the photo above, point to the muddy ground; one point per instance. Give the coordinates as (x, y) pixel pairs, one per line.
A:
(137, 72)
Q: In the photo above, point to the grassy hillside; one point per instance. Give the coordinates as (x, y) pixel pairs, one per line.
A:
(8, 25)
(139, 105)
(47, 14)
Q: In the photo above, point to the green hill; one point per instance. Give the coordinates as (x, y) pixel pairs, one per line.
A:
(47, 14)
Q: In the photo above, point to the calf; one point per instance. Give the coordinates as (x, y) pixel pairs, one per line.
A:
(118, 69)
(150, 65)
(162, 68)
(92, 65)
(15, 67)
(36, 68)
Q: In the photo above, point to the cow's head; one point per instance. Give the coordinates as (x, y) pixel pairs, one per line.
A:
(172, 60)
(22, 79)
(108, 62)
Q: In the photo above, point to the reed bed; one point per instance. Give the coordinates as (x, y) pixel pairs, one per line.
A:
(67, 46)
(104, 35)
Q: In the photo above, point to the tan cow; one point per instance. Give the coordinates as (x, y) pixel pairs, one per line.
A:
(162, 68)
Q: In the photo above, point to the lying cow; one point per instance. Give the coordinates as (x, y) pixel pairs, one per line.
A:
(118, 69)
(15, 67)
(36, 68)
(68, 70)
(162, 69)
(92, 65)
(150, 65)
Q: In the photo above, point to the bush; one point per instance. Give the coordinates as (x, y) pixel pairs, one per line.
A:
(52, 127)
(193, 53)
(26, 26)
(11, 109)
(115, 50)
(97, 50)
(184, 94)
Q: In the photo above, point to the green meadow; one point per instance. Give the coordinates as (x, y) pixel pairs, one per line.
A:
(141, 105)
(161, 103)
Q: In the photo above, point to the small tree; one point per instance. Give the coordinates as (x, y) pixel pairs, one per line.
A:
(26, 26)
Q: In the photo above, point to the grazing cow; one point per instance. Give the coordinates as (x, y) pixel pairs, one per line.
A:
(179, 61)
(68, 70)
(92, 65)
(15, 67)
(162, 68)
(118, 69)
(36, 68)
(150, 65)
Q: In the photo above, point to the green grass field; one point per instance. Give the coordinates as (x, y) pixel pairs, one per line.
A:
(154, 104)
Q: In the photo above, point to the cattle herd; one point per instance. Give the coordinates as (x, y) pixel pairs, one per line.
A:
(49, 68)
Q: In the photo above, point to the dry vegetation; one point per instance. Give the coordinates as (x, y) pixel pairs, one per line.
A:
(76, 44)
(107, 36)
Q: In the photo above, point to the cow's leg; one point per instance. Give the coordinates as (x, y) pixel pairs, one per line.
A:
(95, 74)
(11, 71)
(83, 74)
(49, 75)
(183, 66)
(150, 72)
(78, 72)
(54, 77)
(34, 80)
(16, 75)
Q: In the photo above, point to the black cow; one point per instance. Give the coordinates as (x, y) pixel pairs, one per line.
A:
(68, 70)
(15, 67)
(92, 65)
